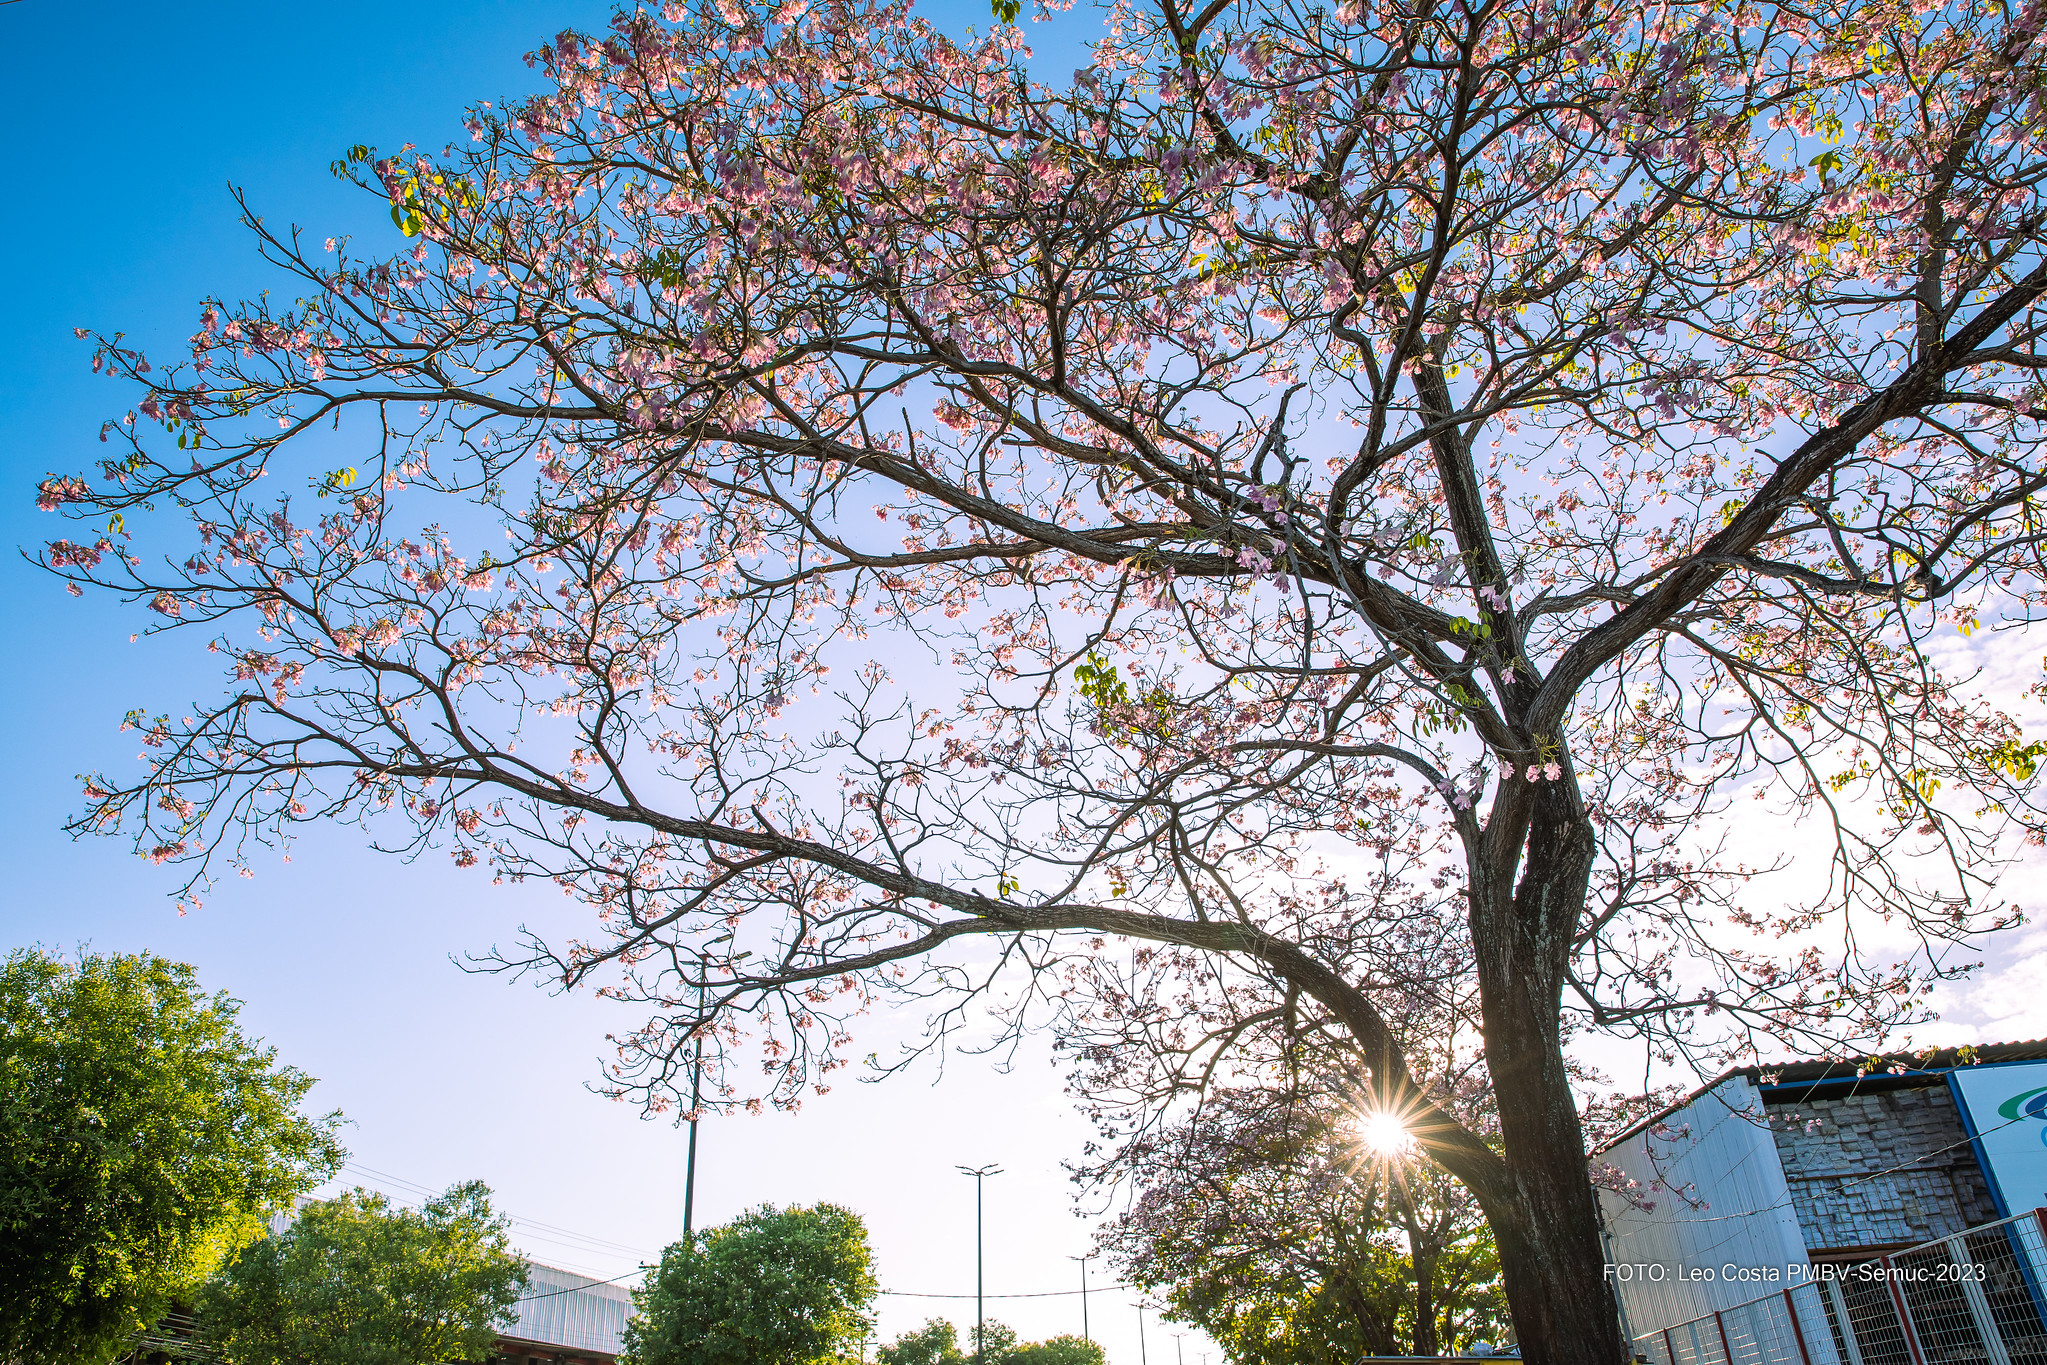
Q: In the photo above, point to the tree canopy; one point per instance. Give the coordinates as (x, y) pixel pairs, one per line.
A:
(1323, 509)
(937, 1343)
(143, 1137)
(354, 1281)
(774, 1286)
(1064, 1349)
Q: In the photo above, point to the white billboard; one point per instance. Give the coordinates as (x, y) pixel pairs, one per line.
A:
(2005, 1108)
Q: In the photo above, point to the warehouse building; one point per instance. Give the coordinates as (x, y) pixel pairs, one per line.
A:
(565, 1319)
(1856, 1213)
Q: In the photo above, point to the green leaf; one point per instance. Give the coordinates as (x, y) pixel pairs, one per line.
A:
(143, 1136)
(354, 1281)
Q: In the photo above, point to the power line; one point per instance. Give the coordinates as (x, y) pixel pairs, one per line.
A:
(548, 1294)
(1859, 1180)
(1047, 1294)
(594, 1242)
(597, 1243)
(577, 1243)
(516, 1218)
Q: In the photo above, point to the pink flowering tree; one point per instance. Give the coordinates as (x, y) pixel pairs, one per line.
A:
(1279, 1210)
(1264, 1220)
(1336, 498)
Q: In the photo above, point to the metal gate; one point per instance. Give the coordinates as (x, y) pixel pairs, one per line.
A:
(1975, 1298)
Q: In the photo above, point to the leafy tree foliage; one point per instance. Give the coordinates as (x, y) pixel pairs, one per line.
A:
(143, 1137)
(1064, 1349)
(1362, 486)
(990, 1341)
(772, 1287)
(354, 1281)
(937, 1343)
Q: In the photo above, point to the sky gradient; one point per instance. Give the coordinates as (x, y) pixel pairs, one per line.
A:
(126, 126)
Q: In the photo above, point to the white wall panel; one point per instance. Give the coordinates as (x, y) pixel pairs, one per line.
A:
(1732, 1241)
(572, 1310)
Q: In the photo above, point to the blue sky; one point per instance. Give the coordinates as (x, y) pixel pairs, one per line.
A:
(126, 125)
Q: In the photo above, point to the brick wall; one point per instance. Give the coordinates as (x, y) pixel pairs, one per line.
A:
(1840, 1206)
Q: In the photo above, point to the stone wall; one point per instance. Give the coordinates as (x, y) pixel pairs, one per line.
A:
(1831, 1149)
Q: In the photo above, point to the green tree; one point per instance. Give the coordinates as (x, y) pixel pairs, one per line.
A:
(1060, 1350)
(143, 1138)
(354, 1281)
(772, 1287)
(991, 1343)
(934, 1343)
(937, 1343)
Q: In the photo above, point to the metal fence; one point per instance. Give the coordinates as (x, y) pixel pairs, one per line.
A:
(1770, 1330)
(1976, 1298)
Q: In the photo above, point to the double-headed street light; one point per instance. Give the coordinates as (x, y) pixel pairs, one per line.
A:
(979, 1173)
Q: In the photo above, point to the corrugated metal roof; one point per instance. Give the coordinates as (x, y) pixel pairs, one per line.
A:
(562, 1308)
(1945, 1059)
(1873, 1069)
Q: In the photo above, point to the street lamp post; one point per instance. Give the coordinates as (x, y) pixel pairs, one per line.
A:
(1142, 1358)
(979, 1173)
(1085, 1334)
(696, 1081)
(689, 1179)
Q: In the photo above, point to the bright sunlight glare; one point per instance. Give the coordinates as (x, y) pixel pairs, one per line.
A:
(1385, 1134)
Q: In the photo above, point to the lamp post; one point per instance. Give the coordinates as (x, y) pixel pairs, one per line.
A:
(1142, 1358)
(979, 1173)
(1085, 1334)
(689, 1179)
(696, 1079)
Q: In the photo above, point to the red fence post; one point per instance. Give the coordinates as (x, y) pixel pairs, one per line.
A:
(1797, 1332)
(1904, 1313)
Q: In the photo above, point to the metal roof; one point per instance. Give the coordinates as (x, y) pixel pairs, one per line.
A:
(562, 1308)
(1942, 1059)
(1878, 1071)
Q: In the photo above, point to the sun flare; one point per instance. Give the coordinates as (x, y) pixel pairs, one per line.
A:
(1384, 1134)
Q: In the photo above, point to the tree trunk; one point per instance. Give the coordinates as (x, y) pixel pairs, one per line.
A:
(1423, 1247)
(1426, 1342)
(1545, 1220)
(1551, 1259)
(1379, 1335)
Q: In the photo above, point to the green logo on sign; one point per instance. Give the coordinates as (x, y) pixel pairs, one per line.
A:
(2031, 1104)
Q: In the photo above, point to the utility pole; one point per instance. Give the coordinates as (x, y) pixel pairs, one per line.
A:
(979, 1173)
(696, 1079)
(1142, 1358)
(1179, 1351)
(1085, 1334)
